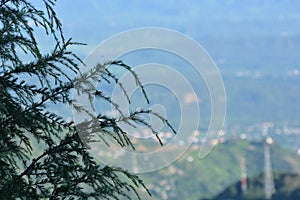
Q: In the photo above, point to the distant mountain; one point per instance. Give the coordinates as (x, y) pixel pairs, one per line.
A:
(231, 18)
(201, 20)
(287, 188)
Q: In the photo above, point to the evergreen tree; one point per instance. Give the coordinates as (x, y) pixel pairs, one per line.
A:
(31, 80)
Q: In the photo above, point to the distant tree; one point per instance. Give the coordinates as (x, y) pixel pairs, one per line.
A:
(31, 80)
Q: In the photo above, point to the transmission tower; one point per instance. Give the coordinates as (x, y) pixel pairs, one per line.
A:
(269, 179)
(243, 175)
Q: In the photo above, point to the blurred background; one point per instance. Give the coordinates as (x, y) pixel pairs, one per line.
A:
(256, 47)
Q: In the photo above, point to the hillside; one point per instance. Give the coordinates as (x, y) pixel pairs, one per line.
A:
(191, 178)
(287, 187)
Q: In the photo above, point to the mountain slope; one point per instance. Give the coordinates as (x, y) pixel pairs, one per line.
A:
(191, 178)
(287, 187)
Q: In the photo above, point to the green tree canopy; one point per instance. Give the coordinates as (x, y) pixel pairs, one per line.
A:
(31, 80)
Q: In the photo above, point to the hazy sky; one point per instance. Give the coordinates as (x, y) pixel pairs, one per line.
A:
(91, 21)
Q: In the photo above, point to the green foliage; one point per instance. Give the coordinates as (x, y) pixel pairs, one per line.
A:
(63, 167)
